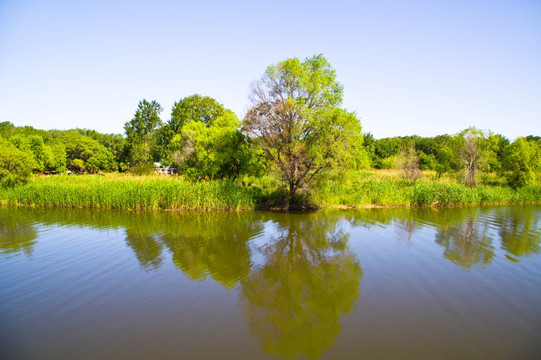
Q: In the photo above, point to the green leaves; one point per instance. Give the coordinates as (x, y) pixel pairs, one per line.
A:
(140, 129)
(523, 161)
(297, 120)
(15, 165)
(145, 120)
(195, 108)
(218, 150)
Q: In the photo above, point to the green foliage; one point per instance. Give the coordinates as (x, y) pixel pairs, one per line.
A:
(49, 156)
(142, 169)
(297, 121)
(131, 192)
(354, 189)
(195, 108)
(387, 147)
(163, 150)
(6, 129)
(392, 162)
(441, 153)
(84, 153)
(191, 109)
(445, 150)
(218, 150)
(15, 165)
(115, 143)
(369, 147)
(522, 160)
(427, 162)
(55, 157)
(409, 163)
(496, 144)
(140, 130)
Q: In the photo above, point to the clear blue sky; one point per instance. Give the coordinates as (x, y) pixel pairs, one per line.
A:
(408, 67)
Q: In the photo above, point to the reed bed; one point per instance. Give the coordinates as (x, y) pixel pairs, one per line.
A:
(390, 190)
(131, 192)
(175, 193)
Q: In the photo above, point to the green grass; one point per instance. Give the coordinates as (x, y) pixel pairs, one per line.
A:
(131, 192)
(353, 189)
(374, 189)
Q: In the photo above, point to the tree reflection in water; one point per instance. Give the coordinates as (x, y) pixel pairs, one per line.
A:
(17, 234)
(293, 301)
(308, 277)
(146, 247)
(467, 243)
(215, 244)
(519, 231)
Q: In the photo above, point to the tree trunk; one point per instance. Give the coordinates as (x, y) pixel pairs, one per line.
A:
(292, 190)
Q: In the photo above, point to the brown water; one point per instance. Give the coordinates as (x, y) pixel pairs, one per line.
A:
(462, 283)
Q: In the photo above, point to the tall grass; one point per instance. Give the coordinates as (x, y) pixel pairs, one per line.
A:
(131, 192)
(160, 192)
(365, 189)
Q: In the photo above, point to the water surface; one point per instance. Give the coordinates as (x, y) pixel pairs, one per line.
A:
(377, 284)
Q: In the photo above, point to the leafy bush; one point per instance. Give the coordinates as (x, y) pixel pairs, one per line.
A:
(142, 169)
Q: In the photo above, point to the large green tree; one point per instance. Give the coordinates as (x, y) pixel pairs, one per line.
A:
(15, 165)
(297, 120)
(195, 108)
(84, 153)
(140, 129)
(219, 150)
(115, 143)
(202, 110)
(522, 161)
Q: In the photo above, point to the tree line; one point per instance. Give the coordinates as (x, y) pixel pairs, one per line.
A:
(296, 129)
(466, 153)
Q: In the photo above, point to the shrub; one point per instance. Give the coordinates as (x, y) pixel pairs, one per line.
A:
(142, 169)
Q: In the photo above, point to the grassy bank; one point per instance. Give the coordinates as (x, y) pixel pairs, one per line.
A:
(384, 189)
(175, 193)
(131, 192)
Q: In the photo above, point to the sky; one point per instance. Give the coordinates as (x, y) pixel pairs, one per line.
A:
(407, 67)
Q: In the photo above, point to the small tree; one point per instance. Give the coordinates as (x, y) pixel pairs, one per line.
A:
(471, 158)
(409, 163)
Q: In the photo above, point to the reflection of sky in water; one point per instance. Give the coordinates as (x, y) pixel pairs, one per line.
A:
(259, 242)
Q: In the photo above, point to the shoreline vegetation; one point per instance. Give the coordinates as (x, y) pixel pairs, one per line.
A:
(353, 190)
(296, 149)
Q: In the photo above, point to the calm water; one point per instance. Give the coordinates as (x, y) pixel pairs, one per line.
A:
(460, 283)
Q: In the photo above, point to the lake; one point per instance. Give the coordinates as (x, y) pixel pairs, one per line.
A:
(450, 283)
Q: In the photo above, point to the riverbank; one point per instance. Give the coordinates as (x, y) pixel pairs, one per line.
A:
(131, 193)
(175, 193)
